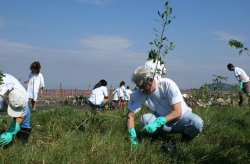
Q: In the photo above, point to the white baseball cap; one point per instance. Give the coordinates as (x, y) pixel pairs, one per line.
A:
(17, 101)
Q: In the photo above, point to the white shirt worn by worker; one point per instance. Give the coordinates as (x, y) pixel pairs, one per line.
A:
(161, 69)
(122, 91)
(239, 71)
(160, 101)
(36, 81)
(128, 93)
(115, 94)
(9, 83)
(97, 95)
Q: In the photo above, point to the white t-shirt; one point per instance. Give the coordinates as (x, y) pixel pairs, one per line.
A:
(36, 81)
(160, 101)
(128, 93)
(238, 71)
(10, 82)
(115, 94)
(122, 91)
(98, 94)
(161, 69)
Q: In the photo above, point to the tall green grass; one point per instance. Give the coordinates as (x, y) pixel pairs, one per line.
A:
(67, 135)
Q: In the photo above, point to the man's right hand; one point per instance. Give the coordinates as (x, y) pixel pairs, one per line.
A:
(6, 138)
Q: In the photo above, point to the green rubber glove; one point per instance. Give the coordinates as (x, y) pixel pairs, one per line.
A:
(132, 136)
(7, 137)
(152, 126)
(241, 85)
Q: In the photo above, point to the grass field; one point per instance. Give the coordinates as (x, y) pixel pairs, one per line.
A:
(63, 134)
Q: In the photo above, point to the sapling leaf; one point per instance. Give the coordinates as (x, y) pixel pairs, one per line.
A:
(170, 10)
(155, 30)
(162, 16)
(159, 13)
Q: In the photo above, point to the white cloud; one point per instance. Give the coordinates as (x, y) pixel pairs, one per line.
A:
(9, 46)
(2, 22)
(96, 2)
(106, 43)
(15, 58)
(227, 36)
(89, 65)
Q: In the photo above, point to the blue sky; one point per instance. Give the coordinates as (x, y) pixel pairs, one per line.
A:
(79, 42)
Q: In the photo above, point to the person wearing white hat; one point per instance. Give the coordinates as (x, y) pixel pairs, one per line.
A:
(155, 65)
(14, 97)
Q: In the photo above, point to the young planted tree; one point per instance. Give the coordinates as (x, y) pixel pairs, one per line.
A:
(217, 84)
(161, 44)
(217, 81)
(202, 93)
(208, 91)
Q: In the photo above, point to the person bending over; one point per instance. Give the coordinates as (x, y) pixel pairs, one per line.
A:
(14, 97)
(243, 78)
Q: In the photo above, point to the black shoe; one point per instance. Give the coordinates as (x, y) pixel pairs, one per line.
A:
(240, 103)
(186, 138)
(168, 148)
(23, 135)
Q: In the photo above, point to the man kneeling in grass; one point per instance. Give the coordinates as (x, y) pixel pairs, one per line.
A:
(169, 112)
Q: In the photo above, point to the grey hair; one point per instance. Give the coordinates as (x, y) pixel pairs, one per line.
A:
(141, 76)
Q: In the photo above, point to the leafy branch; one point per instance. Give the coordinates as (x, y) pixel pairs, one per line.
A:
(1, 77)
(238, 45)
(161, 48)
